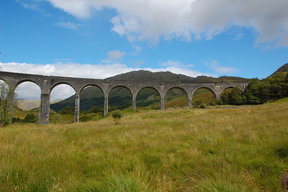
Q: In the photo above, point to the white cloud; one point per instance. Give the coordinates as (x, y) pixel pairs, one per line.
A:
(221, 69)
(137, 49)
(31, 91)
(78, 8)
(33, 5)
(28, 91)
(190, 65)
(171, 63)
(138, 63)
(188, 19)
(178, 70)
(61, 92)
(114, 55)
(98, 71)
(69, 25)
(178, 64)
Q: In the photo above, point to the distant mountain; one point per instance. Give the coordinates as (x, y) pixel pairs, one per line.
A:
(169, 77)
(283, 68)
(121, 98)
(150, 76)
(27, 105)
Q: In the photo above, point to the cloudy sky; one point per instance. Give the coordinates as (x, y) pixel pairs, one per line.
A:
(102, 38)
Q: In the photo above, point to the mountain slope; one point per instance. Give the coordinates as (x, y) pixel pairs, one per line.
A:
(27, 105)
(169, 77)
(283, 68)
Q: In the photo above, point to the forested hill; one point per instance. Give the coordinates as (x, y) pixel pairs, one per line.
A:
(121, 97)
(273, 87)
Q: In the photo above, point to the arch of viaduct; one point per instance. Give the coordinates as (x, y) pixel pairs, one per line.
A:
(47, 83)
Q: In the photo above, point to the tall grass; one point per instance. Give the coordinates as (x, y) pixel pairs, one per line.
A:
(243, 149)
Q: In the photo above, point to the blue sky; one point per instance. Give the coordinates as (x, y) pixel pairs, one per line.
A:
(102, 38)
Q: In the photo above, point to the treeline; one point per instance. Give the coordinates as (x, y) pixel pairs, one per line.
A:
(259, 91)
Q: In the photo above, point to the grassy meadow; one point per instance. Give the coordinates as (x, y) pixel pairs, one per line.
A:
(225, 150)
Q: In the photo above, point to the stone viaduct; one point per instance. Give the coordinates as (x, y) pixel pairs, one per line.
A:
(47, 83)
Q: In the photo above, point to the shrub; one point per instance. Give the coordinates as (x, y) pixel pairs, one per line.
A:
(30, 118)
(16, 119)
(85, 118)
(95, 109)
(203, 105)
(67, 110)
(117, 114)
(197, 103)
(112, 108)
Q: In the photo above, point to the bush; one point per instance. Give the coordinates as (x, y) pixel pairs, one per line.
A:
(95, 109)
(203, 105)
(117, 114)
(67, 110)
(85, 118)
(16, 119)
(200, 104)
(197, 103)
(112, 108)
(30, 118)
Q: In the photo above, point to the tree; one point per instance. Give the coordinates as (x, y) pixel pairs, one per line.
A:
(278, 85)
(286, 78)
(224, 100)
(252, 93)
(271, 88)
(6, 100)
(235, 96)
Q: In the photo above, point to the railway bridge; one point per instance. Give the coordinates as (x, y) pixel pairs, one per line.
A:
(47, 83)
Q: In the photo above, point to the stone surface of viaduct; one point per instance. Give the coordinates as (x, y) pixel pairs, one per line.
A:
(47, 83)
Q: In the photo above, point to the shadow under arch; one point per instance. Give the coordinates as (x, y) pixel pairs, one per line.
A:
(203, 95)
(119, 97)
(176, 97)
(91, 102)
(148, 97)
(62, 103)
